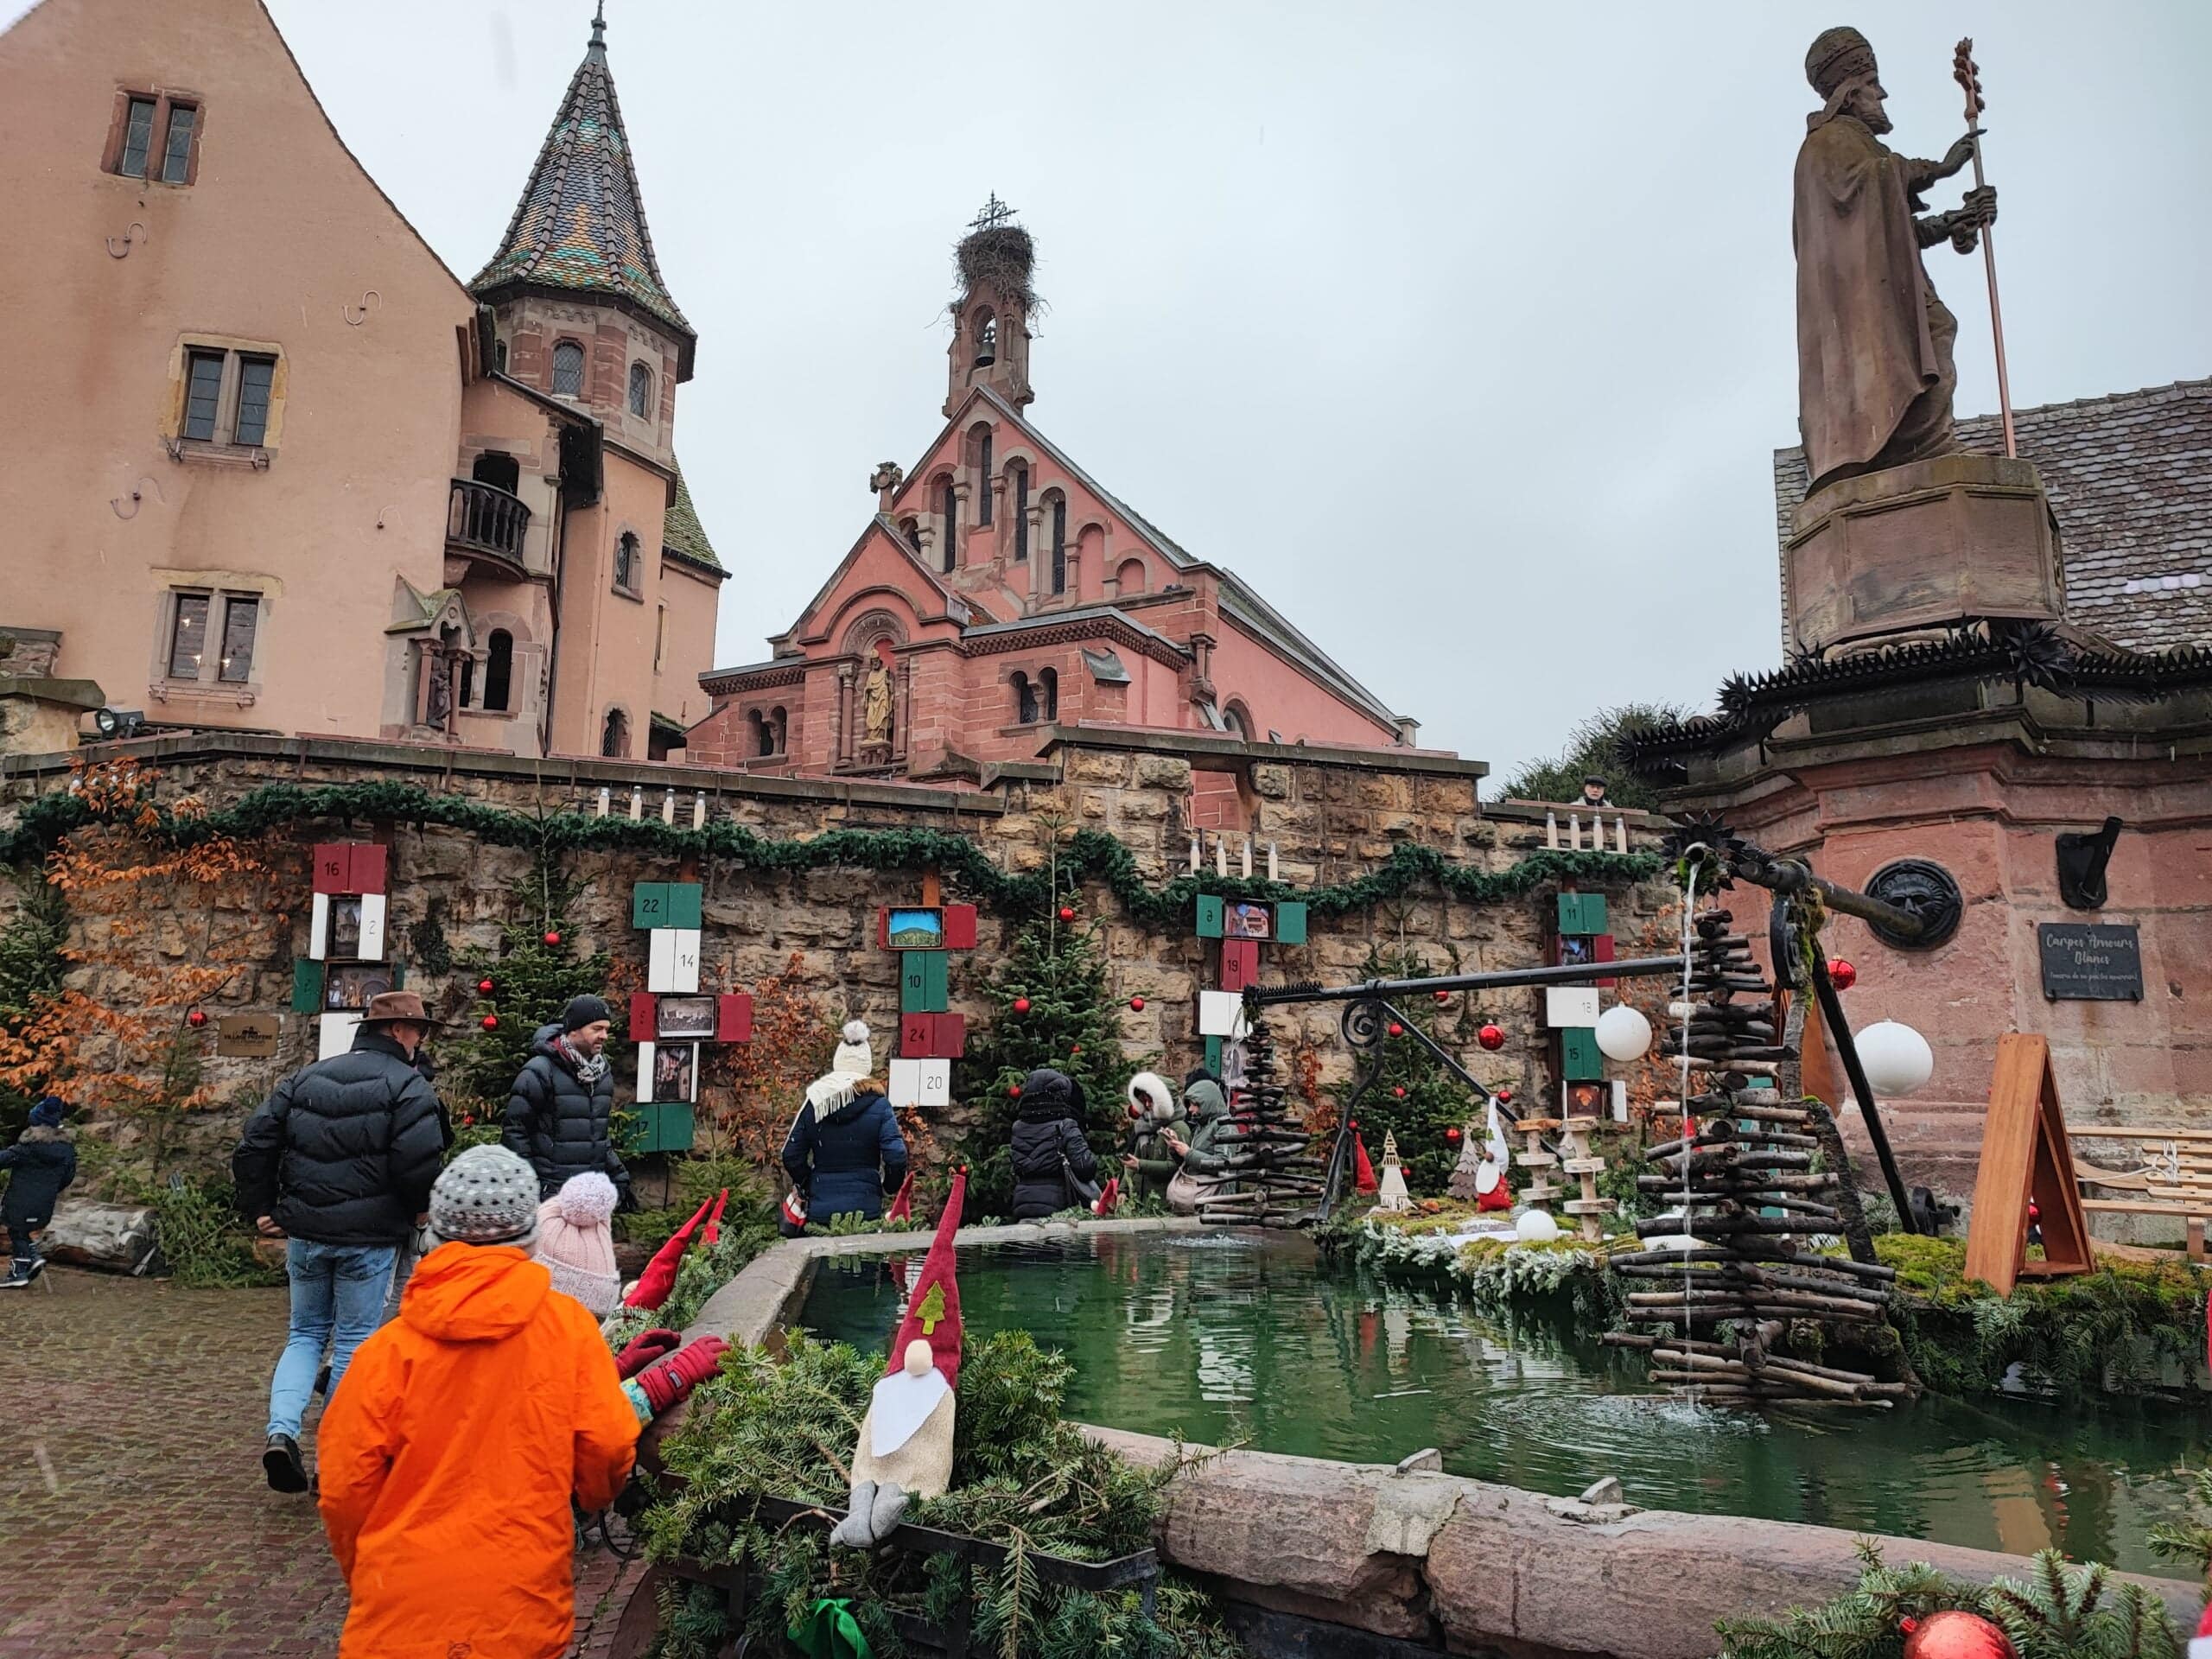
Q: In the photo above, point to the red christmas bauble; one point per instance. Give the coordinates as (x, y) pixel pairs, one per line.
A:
(1954, 1635)
(491, 1022)
(1841, 974)
(1399, 1090)
(1490, 1037)
(1136, 1005)
(1397, 1030)
(196, 1019)
(1021, 1005)
(485, 987)
(552, 936)
(1453, 1136)
(1067, 912)
(1013, 1091)
(1075, 1048)
(1505, 1096)
(1443, 996)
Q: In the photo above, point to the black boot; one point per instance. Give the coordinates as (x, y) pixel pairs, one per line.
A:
(281, 1462)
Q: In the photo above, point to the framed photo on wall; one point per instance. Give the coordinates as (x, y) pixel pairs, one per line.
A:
(675, 1073)
(684, 1019)
(347, 986)
(1247, 922)
(346, 926)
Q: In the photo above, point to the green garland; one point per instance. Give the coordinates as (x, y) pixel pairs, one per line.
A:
(1092, 855)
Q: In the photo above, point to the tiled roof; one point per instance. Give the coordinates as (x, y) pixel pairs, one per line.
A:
(681, 532)
(2130, 477)
(581, 223)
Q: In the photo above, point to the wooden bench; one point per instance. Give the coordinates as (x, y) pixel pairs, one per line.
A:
(2172, 1178)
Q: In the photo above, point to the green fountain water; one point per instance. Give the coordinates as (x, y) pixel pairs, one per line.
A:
(1246, 1337)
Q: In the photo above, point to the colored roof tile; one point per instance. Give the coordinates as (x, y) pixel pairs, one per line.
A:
(581, 223)
(681, 532)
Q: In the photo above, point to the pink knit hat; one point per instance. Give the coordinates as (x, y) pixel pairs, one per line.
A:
(574, 1243)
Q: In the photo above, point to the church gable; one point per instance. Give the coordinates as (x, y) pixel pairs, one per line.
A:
(879, 572)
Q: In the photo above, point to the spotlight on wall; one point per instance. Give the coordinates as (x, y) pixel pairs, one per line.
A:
(113, 723)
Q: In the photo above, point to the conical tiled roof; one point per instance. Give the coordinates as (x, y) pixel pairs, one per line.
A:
(581, 223)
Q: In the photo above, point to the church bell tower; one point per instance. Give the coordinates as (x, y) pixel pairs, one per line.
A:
(990, 319)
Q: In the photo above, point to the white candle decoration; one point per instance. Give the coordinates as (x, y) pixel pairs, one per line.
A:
(1220, 855)
(1245, 869)
(606, 799)
(699, 811)
(636, 802)
(668, 805)
(1273, 875)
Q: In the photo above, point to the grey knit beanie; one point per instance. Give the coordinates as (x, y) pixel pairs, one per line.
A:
(486, 1195)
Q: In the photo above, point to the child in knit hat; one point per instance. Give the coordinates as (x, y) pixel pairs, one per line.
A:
(576, 1245)
(44, 1161)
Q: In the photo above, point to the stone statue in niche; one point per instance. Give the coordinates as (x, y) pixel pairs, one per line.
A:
(1875, 369)
(875, 706)
(437, 701)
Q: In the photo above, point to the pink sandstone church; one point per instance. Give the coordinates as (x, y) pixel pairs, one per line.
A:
(999, 590)
(316, 483)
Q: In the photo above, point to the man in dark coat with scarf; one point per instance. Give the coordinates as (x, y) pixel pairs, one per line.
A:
(1048, 1145)
(844, 1150)
(562, 1101)
(40, 1164)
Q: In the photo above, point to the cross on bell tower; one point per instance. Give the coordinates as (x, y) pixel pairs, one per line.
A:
(990, 316)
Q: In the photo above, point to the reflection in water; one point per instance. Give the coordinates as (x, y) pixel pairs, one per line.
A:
(1243, 1338)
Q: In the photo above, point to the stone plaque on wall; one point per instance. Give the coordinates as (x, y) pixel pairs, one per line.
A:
(246, 1036)
(2090, 962)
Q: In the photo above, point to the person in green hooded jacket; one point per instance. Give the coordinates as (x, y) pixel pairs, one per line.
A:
(1207, 1107)
(1158, 1138)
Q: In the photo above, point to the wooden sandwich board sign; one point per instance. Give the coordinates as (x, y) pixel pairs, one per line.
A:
(2025, 1154)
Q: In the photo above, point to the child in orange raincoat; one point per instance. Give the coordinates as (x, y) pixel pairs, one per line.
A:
(451, 1450)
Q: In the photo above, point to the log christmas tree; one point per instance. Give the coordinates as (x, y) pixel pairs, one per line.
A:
(1744, 1190)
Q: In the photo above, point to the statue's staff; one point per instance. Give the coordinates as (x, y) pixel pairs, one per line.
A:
(1968, 75)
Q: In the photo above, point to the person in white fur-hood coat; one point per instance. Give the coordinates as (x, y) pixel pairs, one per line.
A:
(844, 1150)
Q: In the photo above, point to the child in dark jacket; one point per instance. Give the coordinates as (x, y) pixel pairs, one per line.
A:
(43, 1162)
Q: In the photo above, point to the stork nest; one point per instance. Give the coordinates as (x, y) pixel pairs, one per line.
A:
(1002, 257)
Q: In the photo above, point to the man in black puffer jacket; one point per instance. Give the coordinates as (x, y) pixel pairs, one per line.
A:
(1048, 1132)
(563, 1099)
(339, 1161)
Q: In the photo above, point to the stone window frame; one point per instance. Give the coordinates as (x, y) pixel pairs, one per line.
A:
(770, 722)
(235, 351)
(166, 101)
(943, 502)
(640, 372)
(582, 393)
(608, 717)
(1237, 710)
(635, 590)
(219, 588)
(1019, 535)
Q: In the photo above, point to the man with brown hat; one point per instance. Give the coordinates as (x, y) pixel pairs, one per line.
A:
(339, 1161)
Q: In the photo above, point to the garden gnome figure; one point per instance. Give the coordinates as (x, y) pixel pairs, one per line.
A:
(906, 1439)
(1394, 1195)
(1875, 369)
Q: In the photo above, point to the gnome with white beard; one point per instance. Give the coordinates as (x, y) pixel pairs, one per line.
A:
(906, 1439)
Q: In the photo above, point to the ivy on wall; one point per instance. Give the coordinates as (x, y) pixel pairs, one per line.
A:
(1092, 855)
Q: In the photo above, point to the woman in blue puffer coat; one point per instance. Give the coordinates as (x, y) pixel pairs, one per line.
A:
(844, 1150)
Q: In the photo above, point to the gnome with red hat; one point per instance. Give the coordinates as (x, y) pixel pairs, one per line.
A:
(906, 1439)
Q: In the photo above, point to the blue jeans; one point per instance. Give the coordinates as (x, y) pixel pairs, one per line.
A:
(337, 1297)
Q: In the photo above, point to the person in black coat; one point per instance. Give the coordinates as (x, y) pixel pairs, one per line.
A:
(562, 1101)
(339, 1162)
(42, 1163)
(1047, 1144)
(844, 1150)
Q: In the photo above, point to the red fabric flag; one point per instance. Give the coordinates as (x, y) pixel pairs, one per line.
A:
(933, 1309)
(1363, 1172)
(902, 1207)
(715, 1222)
(659, 1276)
(1109, 1196)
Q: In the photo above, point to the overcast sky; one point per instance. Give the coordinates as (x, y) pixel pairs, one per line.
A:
(1464, 332)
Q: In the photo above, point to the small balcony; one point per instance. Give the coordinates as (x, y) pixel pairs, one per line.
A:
(488, 523)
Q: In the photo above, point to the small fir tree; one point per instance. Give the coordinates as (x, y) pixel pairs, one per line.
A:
(1051, 1007)
(534, 972)
(1414, 1098)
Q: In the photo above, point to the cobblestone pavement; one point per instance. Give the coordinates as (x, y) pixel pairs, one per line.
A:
(134, 1519)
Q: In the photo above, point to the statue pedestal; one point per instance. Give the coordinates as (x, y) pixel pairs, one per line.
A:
(1921, 546)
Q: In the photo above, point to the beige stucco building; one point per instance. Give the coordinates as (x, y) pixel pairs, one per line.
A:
(307, 479)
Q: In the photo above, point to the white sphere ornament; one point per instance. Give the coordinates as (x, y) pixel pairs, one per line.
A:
(1536, 1227)
(1623, 1034)
(1896, 1058)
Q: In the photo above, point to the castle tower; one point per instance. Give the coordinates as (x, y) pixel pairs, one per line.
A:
(576, 270)
(990, 320)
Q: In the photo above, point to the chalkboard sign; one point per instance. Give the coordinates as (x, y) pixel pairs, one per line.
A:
(2089, 962)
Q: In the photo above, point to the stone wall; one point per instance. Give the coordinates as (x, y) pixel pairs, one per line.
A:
(1333, 816)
